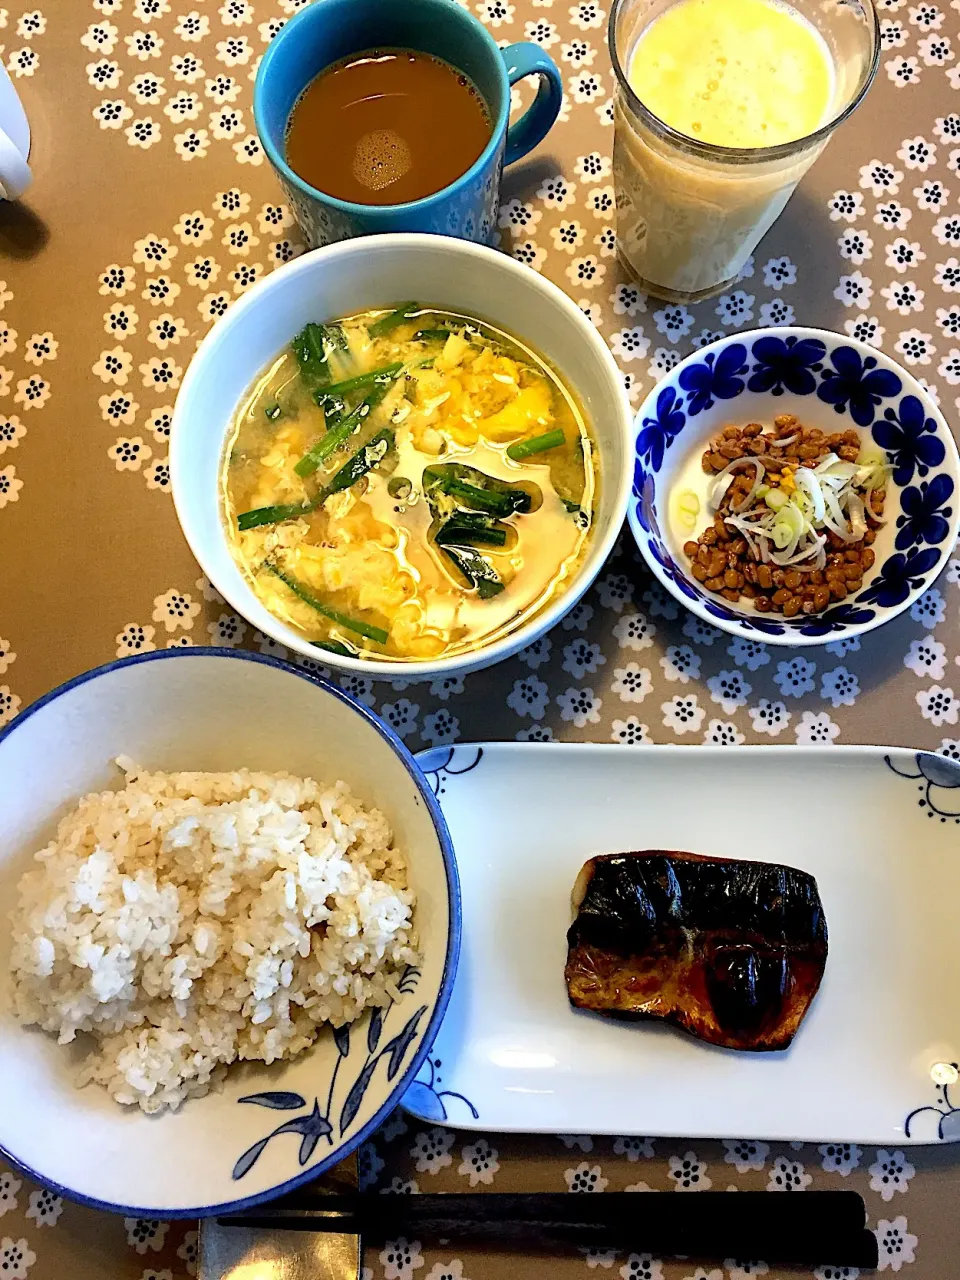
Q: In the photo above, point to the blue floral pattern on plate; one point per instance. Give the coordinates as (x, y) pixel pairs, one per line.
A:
(768, 370)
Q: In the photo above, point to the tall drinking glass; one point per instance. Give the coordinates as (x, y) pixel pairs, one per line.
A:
(690, 213)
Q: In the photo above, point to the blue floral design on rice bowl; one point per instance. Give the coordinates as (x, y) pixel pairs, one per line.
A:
(826, 380)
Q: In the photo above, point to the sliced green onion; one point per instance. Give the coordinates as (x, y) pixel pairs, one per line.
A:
(393, 319)
(536, 444)
(334, 646)
(496, 503)
(342, 619)
(274, 515)
(272, 412)
(323, 448)
(432, 335)
(385, 373)
(462, 528)
(367, 457)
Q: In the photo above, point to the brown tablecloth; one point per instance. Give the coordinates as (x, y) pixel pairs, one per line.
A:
(153, 209)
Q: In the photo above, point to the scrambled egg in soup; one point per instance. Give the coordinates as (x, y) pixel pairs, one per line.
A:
(408, 484)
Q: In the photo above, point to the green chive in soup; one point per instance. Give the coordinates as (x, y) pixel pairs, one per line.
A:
(408, 484)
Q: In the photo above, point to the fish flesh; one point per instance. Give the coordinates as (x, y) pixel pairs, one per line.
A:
(729, 950)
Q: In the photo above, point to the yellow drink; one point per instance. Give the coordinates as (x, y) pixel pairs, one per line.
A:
(735, 73)
(721, 107)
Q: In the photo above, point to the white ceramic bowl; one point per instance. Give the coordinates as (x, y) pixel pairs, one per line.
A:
(361, 274)
(828, 381)
(214, 709)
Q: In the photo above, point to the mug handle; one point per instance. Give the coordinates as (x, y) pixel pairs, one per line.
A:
(15, 175)
(527, 59)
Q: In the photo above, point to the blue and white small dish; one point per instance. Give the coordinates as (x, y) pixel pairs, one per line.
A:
(269, 1128)
(826, 380)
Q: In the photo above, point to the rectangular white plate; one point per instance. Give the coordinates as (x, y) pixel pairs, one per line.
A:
(875, 1057)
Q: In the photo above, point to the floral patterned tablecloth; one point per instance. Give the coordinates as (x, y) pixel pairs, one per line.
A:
(153, 210)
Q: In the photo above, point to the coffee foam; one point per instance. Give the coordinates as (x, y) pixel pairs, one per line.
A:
(381, 157)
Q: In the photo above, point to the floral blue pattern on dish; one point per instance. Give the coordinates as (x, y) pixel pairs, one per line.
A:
(925, 516)
(855, 384)
(933, 772)
(786, 364)
(437, 765)
(715, 376)
(317, 1124)
(910, 440)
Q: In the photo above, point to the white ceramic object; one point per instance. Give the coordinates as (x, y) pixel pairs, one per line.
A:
(826, 380)
(358, 275)
(15, 175)
(874, 1059)
(219, 710)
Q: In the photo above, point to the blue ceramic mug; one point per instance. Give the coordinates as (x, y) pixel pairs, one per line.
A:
(328, 30)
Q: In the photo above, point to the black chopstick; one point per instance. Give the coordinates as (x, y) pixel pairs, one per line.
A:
(813, 1228)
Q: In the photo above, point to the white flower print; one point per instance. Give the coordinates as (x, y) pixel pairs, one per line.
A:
(401, 716)
(854, 290)
(816, 729)
(917, 153)
(45, 1207)
(839, 1157)
(631, 683)
(778, 272)
(187, 68)
(100, 38)
(431, 1149)
(202, 272)
(188, 1251)
(129, 454)
(902, 254)
(401, 1258)
(160, 289)
(235, 51)
(740, 1269)
(7, 1181)
(892, 34)
(31, 393)
(788, 1175)
(228, 631)
(680, 662)
(628, 300)
(581, 658)
(452, 1270)
(700, 632)
(175, 609)
(12, 431)
(865, 329)
(114, 366)
(112, 113)
(530, 254)
(702, 1273)
(890, 1172)
(735, 308)
(723, 733)
(634, 631)
(915, 347)
(440, 727)
(9, 702)
(585, 1178)
(746, 1155)
(614, 591)
(903, 296)
(661, 362)
(642, 1266)
(846, 206)
(154, 252)
(194, 228)
(9, 1185)
(880, 179)
(897, 1245)
(104, 74)
(930, 609)
(228, 122)
(556, 192)
(630, 732)
(935, 51)
(16, 1257)
(535, 732)
(581, 706)
(587, 272)
(947, 230)
(32, 23)
(689, 1173)
(630, 344)
(38, 348)
(182, 106)
(768, 717)
(751, 654)
(902, 71)
(674, 321)
(192, 144)
(143, 45)
(142, 1233)
(776, 312)
(567, 236)
(517, 213)
(479, 1163)
(579, 53)
(855, 246)
(192, 27)
(117, 407)
(23, 62)
(445, 687)
(143, 133)
(729, 690)
(949, 367)
(599, 1258)
(938, 705)
(683, 713)
(529, 697)
(794, 677)
(238, 238)
(840, 687)
(166, 331)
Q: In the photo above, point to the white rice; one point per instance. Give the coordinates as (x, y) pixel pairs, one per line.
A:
(193, 919)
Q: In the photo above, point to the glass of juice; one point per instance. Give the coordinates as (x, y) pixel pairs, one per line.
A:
(721, 107)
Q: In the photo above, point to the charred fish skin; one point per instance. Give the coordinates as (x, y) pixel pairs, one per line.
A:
(731, 951)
